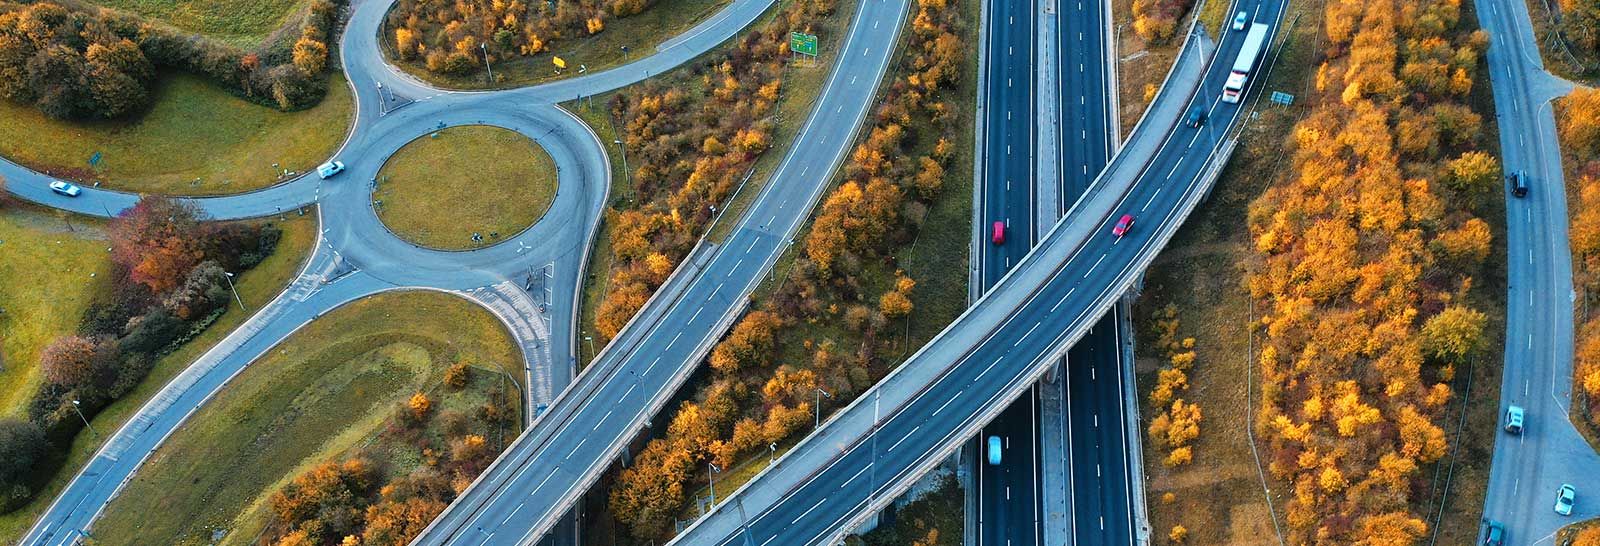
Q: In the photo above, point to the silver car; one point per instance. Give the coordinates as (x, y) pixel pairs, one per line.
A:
(1241, 20)
(63, 188)
(1564, 499)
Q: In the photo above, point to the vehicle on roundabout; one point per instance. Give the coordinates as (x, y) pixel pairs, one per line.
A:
(1495, 534)
(1514, 417)
(330, 169)
(1565, 498)
(64, 188)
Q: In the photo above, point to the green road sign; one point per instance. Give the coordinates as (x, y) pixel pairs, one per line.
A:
(804, 44)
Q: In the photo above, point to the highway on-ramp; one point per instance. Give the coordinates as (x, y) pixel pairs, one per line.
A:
(876, 447)
(1527, 469)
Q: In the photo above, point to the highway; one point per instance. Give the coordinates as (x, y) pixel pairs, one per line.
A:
(1068, 39)
(1526, 470)
(922, 412)
(1097, 436)
(521, 496)
(529, 280)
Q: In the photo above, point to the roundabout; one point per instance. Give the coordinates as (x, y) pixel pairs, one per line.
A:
(493, 182)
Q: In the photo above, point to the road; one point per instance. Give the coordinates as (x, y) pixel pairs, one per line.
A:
(550, 466)
(1097, 438)
(529, 280)
(1077, 109)
(921, 413)
(1526, 470)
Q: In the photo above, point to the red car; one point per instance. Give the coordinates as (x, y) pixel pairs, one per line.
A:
(999, 233)
(1123, 225)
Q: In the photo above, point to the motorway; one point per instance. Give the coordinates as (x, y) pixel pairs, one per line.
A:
(1069, 40)
(529, 280)
(924, 410)
(1526, 470)
(1098, 436)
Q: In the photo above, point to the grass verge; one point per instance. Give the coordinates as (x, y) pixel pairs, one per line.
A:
(196, 139)
(256, 287)
(241, 23)
(55, 265)
(934, 519)
(495, 181)
(640, 33)
(1143, 66)
(324, 392)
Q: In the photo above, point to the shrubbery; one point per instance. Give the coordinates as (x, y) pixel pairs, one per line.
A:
(168, 285)
(453, 37)
(82, 63)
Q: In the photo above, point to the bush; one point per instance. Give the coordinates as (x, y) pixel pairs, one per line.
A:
(22, 447)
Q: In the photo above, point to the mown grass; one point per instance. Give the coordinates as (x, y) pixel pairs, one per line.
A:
(196, 139)
(440, 189)
(256, 287)
(640, 33)
(242, 23)
(323, 393)
(52, 266)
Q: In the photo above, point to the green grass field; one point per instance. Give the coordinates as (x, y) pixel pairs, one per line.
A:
(641, 34)
(51, 273)
(256, 287)
(323, 393)
(242, 23)
(197, 139)
(495, 181)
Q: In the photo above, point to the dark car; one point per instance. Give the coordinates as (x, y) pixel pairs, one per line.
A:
(1196, 119)
(1495, 535)
(1519, 184)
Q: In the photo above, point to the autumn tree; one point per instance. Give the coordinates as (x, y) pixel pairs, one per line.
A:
(1475, 173)
(1588, 536)
(1454, 333)
(22, 447)
(749, 344)
(74, 361)
(1580, 122)
(156, 242)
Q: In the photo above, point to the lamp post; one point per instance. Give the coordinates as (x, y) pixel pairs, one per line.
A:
(714, 471)
(774, 448)
(485, 47)
(817, 407)
(229, 277)
(590, 339)
(625, 171)
(85, 420)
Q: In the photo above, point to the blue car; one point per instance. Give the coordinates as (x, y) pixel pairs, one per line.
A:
(994, 451)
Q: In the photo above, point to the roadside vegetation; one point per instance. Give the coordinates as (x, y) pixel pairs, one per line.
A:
(934, 519)
(41, 481)
(240, 23)
(498, 182)
(520, 40)
(870, 280)
(1568, 34)
(195, 139)
(1579, 126)
(1580, 534)
(1372, 206)
(366, 423)
(1148, 37)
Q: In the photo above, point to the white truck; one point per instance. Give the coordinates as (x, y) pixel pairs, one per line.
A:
(1254, 42)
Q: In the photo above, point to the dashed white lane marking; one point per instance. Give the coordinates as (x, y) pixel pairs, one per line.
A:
(903, 438)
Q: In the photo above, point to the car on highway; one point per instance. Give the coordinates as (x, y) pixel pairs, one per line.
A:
(994, 451)
(63, 188)
(1495, 534)
(329, 169)
(1518, 183)
(1565, 497)
(1123, 225)
(1241, 21)
(999, 236)
(1514, 419)
(1196, 119)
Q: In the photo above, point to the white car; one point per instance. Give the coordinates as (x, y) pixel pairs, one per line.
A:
(327, 170)
(63, 188)
(1564, 499)
(1241, 21)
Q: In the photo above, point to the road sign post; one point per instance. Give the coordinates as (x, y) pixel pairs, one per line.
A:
(803, 44)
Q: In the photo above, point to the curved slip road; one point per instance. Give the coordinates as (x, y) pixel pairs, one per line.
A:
(1526, 470)
(529, 280)
(869, 452)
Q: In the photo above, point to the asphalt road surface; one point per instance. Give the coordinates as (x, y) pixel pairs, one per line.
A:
(550, 466)
(1008, 138)
(919, 414)
(1097, 440)
(1527, 469)
(529, 280)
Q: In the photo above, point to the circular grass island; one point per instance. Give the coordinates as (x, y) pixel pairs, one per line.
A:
(441, 189)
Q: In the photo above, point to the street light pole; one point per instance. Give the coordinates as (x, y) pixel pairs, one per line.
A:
(229, 277)
(85, 420)
(625, 172)
(714, 471)
(817, 407)
(485, 47)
